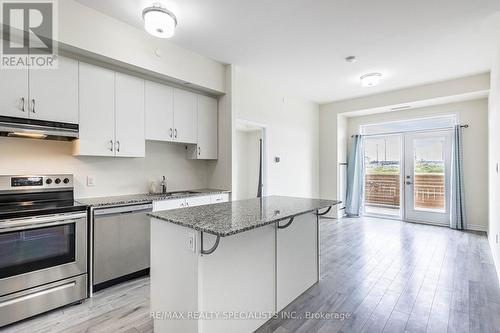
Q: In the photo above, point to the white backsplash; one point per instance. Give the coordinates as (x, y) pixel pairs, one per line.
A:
(113, 176)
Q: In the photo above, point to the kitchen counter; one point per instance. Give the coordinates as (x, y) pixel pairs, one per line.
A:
(270, 257)
(122, 200)
(230, 218)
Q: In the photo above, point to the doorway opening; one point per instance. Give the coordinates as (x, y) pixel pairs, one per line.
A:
(251, 161)
(408, 173)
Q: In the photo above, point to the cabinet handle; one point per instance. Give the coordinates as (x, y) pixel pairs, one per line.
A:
(118, 145)
(33, 106)
(22, 104)
(111, 145)
(187, 204)
(199, 151)
(175, 133)
(170, 133)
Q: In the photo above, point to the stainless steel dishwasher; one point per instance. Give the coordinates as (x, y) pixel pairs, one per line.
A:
(120, 244)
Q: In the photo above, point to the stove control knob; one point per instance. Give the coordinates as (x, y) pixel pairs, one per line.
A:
(48, 181)
(58, 181)
(66, 181)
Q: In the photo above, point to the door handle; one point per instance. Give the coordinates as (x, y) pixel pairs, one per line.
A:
(408, 183)
(22, 104)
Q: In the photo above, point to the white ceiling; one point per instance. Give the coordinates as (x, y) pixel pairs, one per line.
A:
(301, 44)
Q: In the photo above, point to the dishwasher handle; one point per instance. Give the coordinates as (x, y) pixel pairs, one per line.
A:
(130, 209)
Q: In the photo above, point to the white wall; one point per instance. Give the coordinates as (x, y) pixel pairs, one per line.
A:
(494, 160)
(87, 29)
(473, 113)
(114, 176)
(292, 126)
(247, 166)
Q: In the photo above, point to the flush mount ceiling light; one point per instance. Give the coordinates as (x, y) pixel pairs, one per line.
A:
(371, 79)
(159, 21)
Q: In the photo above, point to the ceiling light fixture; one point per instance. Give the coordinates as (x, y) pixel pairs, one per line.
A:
(371, 79)
(159, 21)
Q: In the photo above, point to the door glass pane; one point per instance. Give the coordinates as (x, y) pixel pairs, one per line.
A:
(34, 249)
(429, 174)
(382, 175)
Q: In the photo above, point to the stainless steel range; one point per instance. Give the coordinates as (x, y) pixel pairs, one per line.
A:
(43, 245)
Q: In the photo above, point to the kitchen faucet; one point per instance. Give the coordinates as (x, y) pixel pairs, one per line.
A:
(164, 185)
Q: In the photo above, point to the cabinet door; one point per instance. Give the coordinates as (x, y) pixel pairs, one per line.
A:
(221, 197)
(54, 92)
(129, 101)
(97, 111)
(185, 116)
(198, 201)
(13, 90)
(159, 112)
(297, 258)
(207, 128)
(168, 204)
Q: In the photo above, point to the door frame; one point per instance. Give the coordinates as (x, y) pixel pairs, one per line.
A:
(264, 152)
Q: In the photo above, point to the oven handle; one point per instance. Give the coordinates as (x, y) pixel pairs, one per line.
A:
(40, 222)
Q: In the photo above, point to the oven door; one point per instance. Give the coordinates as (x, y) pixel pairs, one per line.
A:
(40, 250)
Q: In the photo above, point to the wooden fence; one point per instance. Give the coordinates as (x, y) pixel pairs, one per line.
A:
(384, 190)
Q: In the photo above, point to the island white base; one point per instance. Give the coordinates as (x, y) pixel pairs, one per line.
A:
(248, 278)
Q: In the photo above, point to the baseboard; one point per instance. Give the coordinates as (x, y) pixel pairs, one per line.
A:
(477, 227)
(491, 243)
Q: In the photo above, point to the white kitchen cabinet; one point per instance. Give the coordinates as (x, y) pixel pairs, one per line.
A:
(206, 147)
(159, 112)
(297, 265)
(129, 116)
(168, 204)
(220, 197)
(198, 201)
(111, 113)
(185, 116)
(14, 93)
(54, 92)
(97, 111)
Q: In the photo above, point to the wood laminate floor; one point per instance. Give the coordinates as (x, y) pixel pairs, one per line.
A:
(384, 275)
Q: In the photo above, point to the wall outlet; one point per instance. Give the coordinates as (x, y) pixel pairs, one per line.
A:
(91, 181)
(192, 242)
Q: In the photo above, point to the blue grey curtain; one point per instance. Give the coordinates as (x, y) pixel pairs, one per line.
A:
(458, 216)
(355, 178)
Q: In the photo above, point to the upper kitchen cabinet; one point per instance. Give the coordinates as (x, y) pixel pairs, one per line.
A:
(159, 112)
(14, 93)
(185, 116)
(111, 113)
(206, 147)
(54, 92)
(129, 116)
(43, 94)
(97, 111)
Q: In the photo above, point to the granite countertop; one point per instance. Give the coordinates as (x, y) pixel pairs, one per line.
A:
(122, 200)
(229, 218)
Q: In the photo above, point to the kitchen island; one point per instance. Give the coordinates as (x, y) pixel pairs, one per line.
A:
(229, 267)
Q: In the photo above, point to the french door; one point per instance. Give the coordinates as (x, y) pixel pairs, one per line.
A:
(427, 177)
(407, 176)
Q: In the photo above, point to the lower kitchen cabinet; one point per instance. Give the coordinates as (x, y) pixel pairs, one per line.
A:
(296, 258)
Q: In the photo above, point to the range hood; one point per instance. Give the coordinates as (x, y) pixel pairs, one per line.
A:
(37, 129)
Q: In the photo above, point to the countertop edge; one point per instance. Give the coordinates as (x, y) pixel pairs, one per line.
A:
(263, 224)
(146, 200)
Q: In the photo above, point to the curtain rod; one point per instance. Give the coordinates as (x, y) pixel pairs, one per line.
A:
(429, 130)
